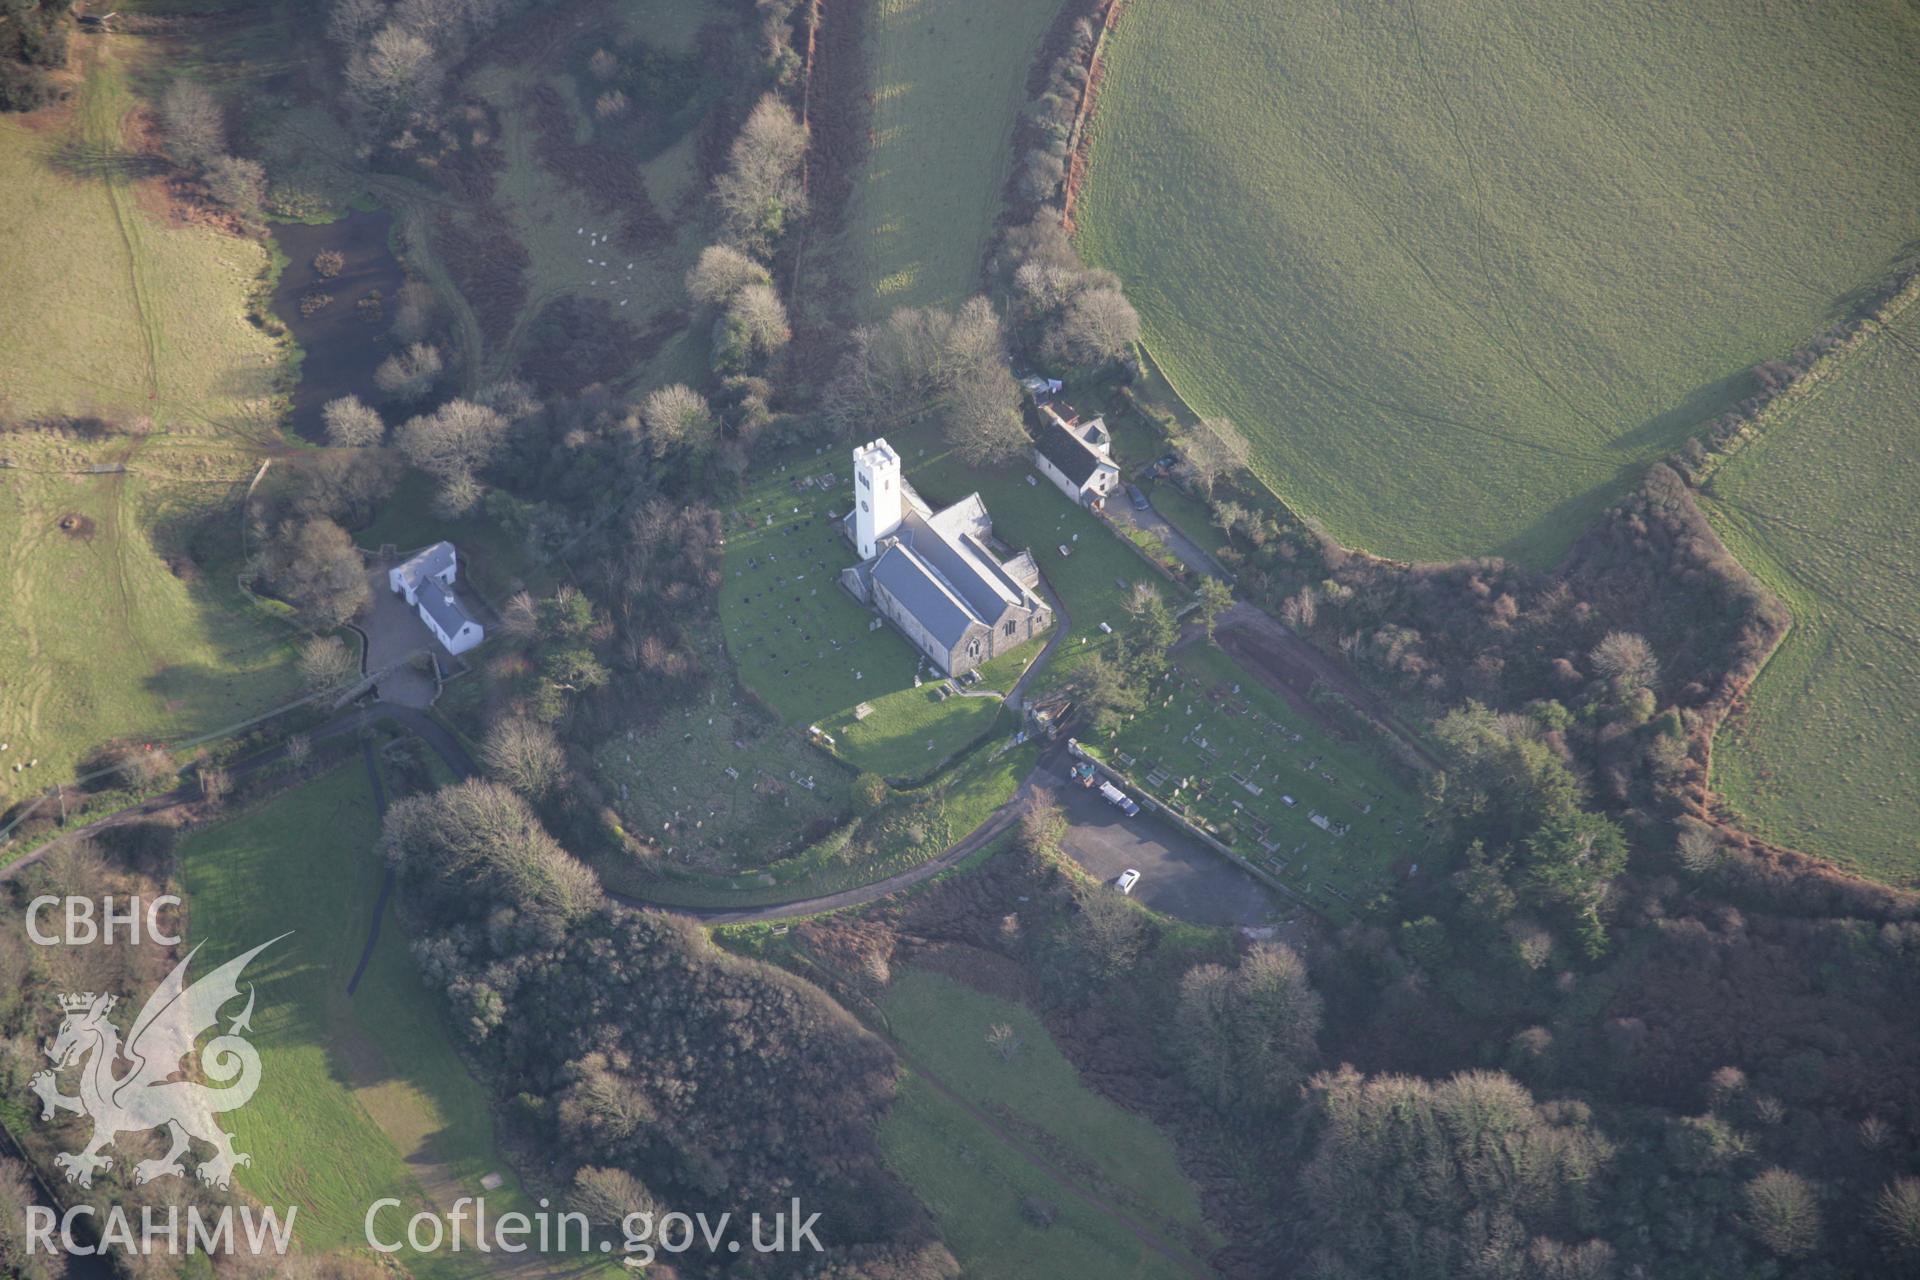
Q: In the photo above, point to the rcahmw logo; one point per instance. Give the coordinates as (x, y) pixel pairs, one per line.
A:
(144, 1097)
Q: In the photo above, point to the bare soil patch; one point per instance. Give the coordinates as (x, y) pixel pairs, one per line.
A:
(77, 527)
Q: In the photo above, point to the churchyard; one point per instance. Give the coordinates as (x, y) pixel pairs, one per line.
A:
(1229, 754)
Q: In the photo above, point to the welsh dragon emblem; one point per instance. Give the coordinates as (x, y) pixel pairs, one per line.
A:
(150, 1093)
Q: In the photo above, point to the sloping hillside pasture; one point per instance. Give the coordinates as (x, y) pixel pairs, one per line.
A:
(974, 1181)
(111, 627)
(948, 83)
(360, 1097)
(1827, 756)
(109, 311)
(1459, 270)
(111, 630)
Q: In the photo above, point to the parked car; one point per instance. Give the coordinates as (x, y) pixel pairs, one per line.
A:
(1127, 880)
(1119, 799)
(1139, 497)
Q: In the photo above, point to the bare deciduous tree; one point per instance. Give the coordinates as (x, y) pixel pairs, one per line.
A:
(759, 316)
(352, 424)
(1097, 325)
(314, 566)
(459, 438)
(1783, 1210)
(1896, 1211)
(326, 663)
(1212, 450)
(196, 130)
(1004, 1041)
(525, 755)
(760, 193)
(678, 417)
(238, 183)
(215, 783)
(983, 416)
(721, 272)
(393, 72)
(1626, 659)
(18, 1257)
(1700, 850)
(408, 375)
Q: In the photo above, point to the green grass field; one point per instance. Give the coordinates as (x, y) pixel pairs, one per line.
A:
(1207, 748)
(110, 629)
(360, 1097)
(1459, 270)
(949, 81)
(111, 311)
(1827, 756)
(974, 1180)
(112, 632)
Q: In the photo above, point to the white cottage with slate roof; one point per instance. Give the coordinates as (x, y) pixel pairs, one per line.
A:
(934, 574)
(425, 579)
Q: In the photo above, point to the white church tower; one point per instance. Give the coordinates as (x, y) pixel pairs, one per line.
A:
(876, 488)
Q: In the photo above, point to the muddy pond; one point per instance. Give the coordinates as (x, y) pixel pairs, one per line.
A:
(340, 309)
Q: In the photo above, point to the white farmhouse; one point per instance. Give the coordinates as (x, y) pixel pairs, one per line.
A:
(1077, 456)
(425, 580)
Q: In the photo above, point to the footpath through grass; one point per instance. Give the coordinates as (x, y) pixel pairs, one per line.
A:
(111, 311)
(1826, 757)
(949, 81)
(974, 1181)
(1459, 270)
(360, 1097)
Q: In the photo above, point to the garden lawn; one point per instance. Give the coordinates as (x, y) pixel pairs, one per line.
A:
(973, 1181)
(949, 81)
(1826, 756)
(1211, 735)
(360, 1097)
(1459, 271)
